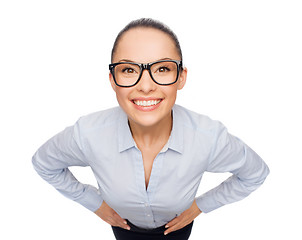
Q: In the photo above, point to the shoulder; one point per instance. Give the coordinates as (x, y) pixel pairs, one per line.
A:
(100, 119)
(196, 121)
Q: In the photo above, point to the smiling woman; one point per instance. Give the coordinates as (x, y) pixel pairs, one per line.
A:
(147, 46)
(148, 154)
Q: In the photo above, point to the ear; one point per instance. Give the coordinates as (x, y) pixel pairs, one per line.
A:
(112, 82)
(182, 78)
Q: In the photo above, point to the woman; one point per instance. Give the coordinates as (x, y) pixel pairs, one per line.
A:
(148, 155)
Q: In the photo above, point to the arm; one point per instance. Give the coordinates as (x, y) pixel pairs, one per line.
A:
(52, 160)
(230, 154)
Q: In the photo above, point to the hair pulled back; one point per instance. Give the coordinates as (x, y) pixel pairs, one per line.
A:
(147, 23)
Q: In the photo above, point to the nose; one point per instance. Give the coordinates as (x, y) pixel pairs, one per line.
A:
(146, 84)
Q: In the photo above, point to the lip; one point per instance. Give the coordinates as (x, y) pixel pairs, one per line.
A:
(144, 108)
(145, 99)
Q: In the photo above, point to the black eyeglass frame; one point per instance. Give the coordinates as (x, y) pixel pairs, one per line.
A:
(146, 66)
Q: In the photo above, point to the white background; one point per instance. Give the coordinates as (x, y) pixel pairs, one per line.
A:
(244, 60)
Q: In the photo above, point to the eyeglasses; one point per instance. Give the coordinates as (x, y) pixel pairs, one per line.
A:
(128, 74)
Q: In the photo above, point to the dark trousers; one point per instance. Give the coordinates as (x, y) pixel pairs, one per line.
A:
(136, 233)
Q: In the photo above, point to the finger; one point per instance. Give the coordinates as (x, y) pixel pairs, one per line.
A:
(173, 222)
(176, 227)
(115, 224)
(120, 221)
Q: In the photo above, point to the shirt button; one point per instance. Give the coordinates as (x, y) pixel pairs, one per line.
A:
(148, 215)
(146, 204)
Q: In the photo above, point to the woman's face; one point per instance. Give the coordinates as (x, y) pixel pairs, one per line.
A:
(144, 45)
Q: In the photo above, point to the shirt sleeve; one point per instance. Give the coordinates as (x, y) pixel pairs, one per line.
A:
(52, 160)
(249, 171)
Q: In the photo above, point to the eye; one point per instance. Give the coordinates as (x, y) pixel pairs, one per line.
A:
(163, 69)
(128, 70)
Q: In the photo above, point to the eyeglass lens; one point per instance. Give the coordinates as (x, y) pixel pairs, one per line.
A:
(127, 74)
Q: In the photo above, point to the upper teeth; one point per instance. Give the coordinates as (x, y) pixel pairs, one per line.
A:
(147, 103)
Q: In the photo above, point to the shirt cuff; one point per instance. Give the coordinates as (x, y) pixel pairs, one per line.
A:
(206, 203)
(91, 198)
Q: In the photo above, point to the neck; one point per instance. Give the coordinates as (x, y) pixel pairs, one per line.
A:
(148, 136)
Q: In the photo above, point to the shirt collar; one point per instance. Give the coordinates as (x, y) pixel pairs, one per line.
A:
(175, 142)
(125, 139)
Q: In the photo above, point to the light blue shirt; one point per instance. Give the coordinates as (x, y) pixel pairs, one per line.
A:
(196, 145)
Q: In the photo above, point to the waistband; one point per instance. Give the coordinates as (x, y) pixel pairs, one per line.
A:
(159, 230)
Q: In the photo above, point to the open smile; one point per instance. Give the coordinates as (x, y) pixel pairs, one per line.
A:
(146, 104)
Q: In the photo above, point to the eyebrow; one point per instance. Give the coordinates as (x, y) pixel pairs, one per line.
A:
(128, 60)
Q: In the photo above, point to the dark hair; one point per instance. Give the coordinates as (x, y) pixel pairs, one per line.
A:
(147, 23)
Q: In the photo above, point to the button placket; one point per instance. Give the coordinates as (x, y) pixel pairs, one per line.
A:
(140, 178)
(149, 215)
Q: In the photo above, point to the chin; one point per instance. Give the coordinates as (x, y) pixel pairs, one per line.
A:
(145, 122)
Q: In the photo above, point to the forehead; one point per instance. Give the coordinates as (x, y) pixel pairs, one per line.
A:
(145, 45)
